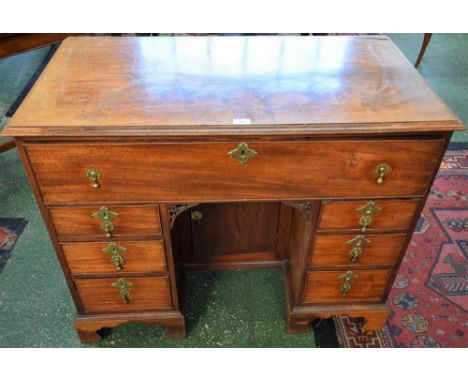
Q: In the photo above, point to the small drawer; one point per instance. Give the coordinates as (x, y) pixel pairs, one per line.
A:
(369, 249)
(105, 295)
(89, 258)
(387, 214)
(79, 222)
(365, 286)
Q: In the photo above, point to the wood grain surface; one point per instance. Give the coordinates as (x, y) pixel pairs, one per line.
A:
(146, 84)
(395, 214)
(230, 231)
(330, 250)
(204, 171)
(78, 222)
(86, 258)
(150, 293)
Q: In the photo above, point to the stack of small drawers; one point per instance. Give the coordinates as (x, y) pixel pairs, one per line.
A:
(115, 254)
(355, 250)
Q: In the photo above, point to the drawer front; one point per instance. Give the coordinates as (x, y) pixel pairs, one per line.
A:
(204, 170)
(332, 250)
(78, 221)
(88, 258)
(149, 293)
(393, 214)
(324, 286)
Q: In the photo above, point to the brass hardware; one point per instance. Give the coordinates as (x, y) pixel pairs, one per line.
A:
(108, 228)
(242, 153)
(347, 277)
(367, 211)
(93, 175)
(176, 209)
(106, 216)
(382, 170)
(357, 243)
(123, 289)
(196, 215)
(115, 251)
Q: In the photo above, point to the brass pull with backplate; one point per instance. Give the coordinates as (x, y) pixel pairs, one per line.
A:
(347, 277)
(357, 243)
(123, 286)
(382, 170)
(115, 252)
(93, 175)
(105, 216)
(367, 211)
(242, 153)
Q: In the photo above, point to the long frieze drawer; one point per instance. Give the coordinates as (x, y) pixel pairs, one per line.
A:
(365, 215)
(89, 258)
(346, 286)
(111, 222)
(103, 171)
(124, 294)
(370, 249)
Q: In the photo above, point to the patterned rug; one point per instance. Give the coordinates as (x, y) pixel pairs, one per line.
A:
(10, 231)
(429, 299)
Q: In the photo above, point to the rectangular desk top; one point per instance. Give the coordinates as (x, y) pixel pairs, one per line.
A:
(264, 85)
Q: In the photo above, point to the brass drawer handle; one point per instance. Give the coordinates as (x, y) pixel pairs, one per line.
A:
(347, 277)
(242, 153)
(105, 216)
(123, 286)
(115, 252)
(382, 170)
(196, 216)
(367, 211)
(93, 175)
(357, 243)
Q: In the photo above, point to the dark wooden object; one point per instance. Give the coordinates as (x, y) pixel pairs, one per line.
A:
(248, 231)
(426, 40)
(14, 43)
(157, 118)
(139, 256)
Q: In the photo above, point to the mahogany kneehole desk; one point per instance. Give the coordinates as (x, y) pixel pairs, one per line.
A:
(151, 156)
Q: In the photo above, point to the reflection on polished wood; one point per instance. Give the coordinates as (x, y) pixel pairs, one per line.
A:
(188, 81)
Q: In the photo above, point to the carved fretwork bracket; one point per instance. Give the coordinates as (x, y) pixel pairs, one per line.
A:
(305, 206)
(176, 209)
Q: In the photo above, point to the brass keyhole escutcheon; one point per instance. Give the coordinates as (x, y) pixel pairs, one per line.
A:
(123, 286)
(196, 216)
(105, 216)
(381, 170)
(357, 243)
(93, 175)
(242, 153)
(347, 277)
(367, 211)
(116, 253)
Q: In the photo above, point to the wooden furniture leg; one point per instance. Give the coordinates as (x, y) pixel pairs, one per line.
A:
(175, 331)
(427, 38)
(374, 316)
(88, 327)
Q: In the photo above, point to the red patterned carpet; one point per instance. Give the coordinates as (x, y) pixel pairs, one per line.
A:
(10, 230)
(429, 299)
